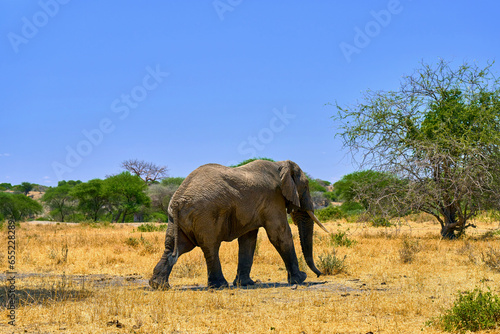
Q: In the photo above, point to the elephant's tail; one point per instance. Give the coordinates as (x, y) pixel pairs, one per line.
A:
(175, 223)
(173, 230)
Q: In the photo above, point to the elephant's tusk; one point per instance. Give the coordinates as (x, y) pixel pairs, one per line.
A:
(316, 220)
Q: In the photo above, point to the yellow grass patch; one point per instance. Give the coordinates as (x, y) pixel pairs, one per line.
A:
(80, 279)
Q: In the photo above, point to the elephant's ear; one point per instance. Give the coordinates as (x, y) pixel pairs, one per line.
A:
(288, 187)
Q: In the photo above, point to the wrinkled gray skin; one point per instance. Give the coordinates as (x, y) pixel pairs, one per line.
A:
(217, 203)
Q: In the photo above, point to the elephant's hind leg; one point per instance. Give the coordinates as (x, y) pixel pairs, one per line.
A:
(215, 277)
(162, 270)
(246, 244)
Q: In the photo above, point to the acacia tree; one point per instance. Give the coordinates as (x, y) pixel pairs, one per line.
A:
(92, 199)
(60, 199)
(25, 187)
(147, 171)
(439, 134)
(127, 195)
(18, 206)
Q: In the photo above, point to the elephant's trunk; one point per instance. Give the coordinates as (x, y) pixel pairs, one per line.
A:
(305, 224)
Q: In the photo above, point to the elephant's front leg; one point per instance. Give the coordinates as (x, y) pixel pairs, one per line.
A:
(215, 277)
(246, 244)
(280, 235)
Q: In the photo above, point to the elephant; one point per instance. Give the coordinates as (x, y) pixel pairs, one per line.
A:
(216, 203)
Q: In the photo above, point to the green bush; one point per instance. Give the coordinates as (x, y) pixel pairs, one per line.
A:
(340, 239)
(177, 181)
(330, 264)
(99, 224)
(329, 213)
(472, 311)
(315, 185)
(157, 217)
(148, 247)
(331, 196)
(149, 227)
(131, 241)
(351, 208)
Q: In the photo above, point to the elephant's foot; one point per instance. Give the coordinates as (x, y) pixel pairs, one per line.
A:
(218, 283)
(159, 284)
(243, 281)
(298, 278)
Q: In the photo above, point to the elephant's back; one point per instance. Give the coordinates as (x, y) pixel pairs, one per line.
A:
(203, 184)
(213, 183)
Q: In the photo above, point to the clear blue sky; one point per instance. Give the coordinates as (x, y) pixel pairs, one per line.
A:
(87, 84)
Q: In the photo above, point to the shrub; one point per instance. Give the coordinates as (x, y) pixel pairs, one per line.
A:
(158, 217)
(340, 239)
(149, 227)
(408, 250)
(131, 241)
(148, 247)
(331, 196)
(316, 185)
(489, 216)
(492, 259)
(352, 208)
(329, 213)
(176, 181)
(472, 311)
(330, 264)
(92, 224)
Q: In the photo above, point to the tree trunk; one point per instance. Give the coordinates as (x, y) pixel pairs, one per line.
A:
(451, 224)
(115, 218)
(124, 216)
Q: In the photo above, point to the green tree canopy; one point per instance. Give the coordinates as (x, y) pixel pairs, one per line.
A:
(363, 185)
(18, 206)
(127, 194)
(60, 199)
(92, 199)
(25, 187)
(440, 133)
(5, 186)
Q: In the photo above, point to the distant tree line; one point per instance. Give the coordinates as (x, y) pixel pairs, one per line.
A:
(119, 198)
(140, 193)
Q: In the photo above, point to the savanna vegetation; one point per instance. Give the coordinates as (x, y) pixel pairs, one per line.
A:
(92, 278)
(429, 163)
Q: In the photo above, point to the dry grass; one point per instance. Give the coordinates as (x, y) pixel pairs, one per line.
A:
(94, 280)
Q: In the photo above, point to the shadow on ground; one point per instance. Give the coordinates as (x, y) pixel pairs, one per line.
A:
(35, 288)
